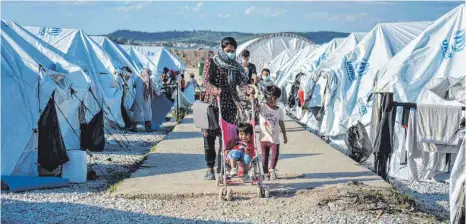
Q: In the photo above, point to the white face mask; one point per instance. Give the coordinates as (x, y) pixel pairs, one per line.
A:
(231, 55)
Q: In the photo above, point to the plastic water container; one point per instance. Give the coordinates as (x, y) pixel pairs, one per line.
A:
(76, 169)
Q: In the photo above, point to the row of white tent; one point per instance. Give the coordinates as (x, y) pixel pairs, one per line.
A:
(341, 79)
(80, 75)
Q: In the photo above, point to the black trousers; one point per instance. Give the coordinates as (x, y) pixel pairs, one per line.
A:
(211, 153)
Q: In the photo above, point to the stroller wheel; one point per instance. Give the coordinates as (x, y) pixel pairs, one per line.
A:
(259, 191)
(222, 194)
(266, 193)
(229, 195)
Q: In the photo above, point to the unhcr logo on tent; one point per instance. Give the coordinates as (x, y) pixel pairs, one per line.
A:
(50, 31)
(363, 68)
(459, 41)
(458, 44)
(362, 106)
(350, 70)
(320, 60)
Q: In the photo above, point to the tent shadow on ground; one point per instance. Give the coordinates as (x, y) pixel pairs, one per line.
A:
(293, 156)
(14, 209)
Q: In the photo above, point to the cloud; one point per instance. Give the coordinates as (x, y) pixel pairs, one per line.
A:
(68, 14)
(328, 17)
(226, 15)
(132, 6)
(196, 8)
(264, 11)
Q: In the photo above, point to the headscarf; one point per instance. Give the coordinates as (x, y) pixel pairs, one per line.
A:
(148, 91)
(236, 73)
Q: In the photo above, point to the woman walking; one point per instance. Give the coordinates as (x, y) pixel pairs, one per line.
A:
(222, 74)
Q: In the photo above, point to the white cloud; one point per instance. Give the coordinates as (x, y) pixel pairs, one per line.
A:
(223, 16)
(132, 6)
(196, 8)
(264, 11)
(327, 16)
(68, 14)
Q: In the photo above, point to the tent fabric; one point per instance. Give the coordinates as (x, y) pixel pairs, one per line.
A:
(457, 185)
(351, 77)
(161, 106)
(93, 135)
(81, 50)
(160, 56)
(324, 81)
(265, 49)
(65, 74)
(279, 60)
(416, 73)
(292, 67)
(307, 61)
(27, 183)
(25, 93)
(51, 147)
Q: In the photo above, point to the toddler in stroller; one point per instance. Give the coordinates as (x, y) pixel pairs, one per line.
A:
(242, 150)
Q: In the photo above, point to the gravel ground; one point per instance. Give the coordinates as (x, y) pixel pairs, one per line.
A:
(92, 202)
(433, 197)
(312, 206)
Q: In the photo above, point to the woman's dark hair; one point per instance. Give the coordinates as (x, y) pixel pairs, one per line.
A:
(165, 70)
(182, 76)
(266, 70)
(229, 41)
(191, 75)
(245, 53)
(245, 128)
(273, 90)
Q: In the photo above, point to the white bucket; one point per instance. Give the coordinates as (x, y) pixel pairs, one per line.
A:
(76, 169)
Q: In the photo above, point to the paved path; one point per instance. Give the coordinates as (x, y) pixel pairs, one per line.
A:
(177, 166)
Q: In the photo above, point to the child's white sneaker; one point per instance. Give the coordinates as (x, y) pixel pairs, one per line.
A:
(273, 174)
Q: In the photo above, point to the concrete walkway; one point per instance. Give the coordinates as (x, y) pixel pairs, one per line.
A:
(177, 166)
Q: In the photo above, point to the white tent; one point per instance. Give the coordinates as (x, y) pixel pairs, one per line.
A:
(67, 76)
(288, 71)
(122, 58)
(435, 56)
(351, 79)
(320, 81)
(160, 56)
(80, 49)
(266, 48)
(308, 65)
(25, 94)
(280, 60)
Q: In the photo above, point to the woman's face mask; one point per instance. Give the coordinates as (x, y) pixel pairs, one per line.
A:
(231, 55)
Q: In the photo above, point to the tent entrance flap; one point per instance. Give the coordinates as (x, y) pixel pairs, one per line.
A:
(51, 147)
(92, 134)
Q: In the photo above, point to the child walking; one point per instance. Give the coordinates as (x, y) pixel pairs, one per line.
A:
(271, 124)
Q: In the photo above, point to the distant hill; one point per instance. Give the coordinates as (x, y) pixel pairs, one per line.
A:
(203, 37)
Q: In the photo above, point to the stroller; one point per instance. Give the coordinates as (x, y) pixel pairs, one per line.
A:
(225, 181)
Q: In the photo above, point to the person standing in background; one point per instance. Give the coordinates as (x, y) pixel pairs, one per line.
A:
(249, 68)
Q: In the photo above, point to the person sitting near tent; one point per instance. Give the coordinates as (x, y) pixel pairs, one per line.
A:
(222, 74)
(142, 107)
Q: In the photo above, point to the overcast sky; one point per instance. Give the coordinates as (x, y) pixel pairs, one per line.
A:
(102, 17)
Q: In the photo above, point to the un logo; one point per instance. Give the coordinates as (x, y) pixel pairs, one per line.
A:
(457, 46)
